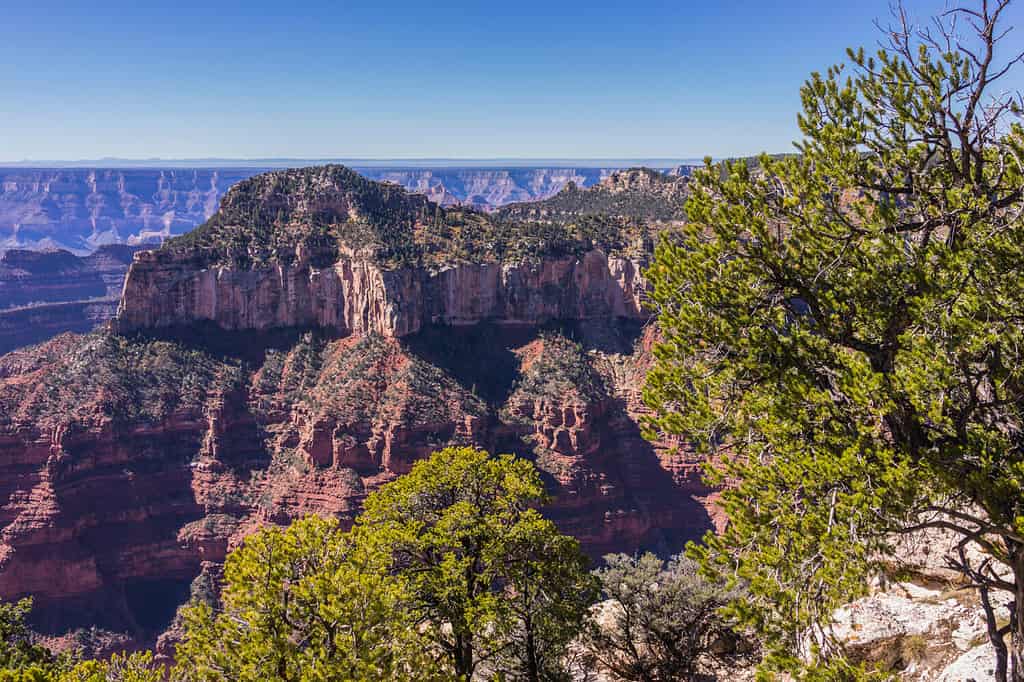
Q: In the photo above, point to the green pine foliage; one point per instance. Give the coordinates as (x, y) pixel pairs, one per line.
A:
(450, 574)
(842, 338)
(304, 603)
(500, 588)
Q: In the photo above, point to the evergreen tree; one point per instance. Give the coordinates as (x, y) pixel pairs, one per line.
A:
(660, 622)
(18, 646)
(304, 604)
(547, 596)
(843, 335)
(136, 667)
(499, 589)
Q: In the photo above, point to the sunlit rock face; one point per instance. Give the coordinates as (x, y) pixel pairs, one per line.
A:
(356, 296)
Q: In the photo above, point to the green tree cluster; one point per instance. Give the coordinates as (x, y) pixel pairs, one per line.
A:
(450, 573)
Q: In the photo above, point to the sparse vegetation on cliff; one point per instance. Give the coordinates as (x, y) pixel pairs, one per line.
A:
(122, 379)
(316, 213)
(642, 195)
(560, 369)
(357, 380)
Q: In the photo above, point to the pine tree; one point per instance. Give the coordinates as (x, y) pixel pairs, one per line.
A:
(499, 588)
(843, 335)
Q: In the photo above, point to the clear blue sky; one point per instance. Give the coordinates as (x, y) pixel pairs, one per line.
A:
(408, 79)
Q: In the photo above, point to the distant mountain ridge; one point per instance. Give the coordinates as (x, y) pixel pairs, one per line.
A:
(44, 293)
(280, 163)
(637, 193)
(81, 209)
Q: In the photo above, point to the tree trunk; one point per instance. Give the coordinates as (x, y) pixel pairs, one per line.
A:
(995, 638)
(533, 670)
(463, 658)
(1016, 556)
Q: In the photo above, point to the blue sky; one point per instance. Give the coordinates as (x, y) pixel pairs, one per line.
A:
(401, 79)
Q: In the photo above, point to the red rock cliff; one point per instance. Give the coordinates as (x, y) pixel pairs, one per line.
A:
(356, 296)
(130, 464)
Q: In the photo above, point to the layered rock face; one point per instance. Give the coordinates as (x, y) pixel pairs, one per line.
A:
(487, 188)
(83, 209)
(20, 327)
(258, 372)
(131, 467)
(355, 296)
(334, 258)
(28, 277)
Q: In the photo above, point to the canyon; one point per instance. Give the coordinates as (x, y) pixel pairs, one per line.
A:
(312, 340)
(44, 293)
(81, 209)
(69, 234)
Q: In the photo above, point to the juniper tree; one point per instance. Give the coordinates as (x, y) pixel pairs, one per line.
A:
(499, 591)
(844, 335)
(304, 604)
(660, 622)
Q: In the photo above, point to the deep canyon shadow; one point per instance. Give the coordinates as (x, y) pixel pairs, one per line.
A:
(482, 357)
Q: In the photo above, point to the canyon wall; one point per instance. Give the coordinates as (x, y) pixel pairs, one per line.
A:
(130, 468)
(486, 188)
(45, 293)
(283, 361)
(83, 209)
(355, 296)
(30, 277)
(21, 327)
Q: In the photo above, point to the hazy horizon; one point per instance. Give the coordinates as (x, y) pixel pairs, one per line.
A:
(396, 163)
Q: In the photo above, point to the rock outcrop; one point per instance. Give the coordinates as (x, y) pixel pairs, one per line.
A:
(922, 620)
(637, 193)
(327, 248)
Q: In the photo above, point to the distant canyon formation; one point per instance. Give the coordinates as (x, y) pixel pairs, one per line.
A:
(81, 209)
(44, 293)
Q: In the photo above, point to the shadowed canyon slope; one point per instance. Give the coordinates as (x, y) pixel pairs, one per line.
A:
(44, 293)
(315, 338)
